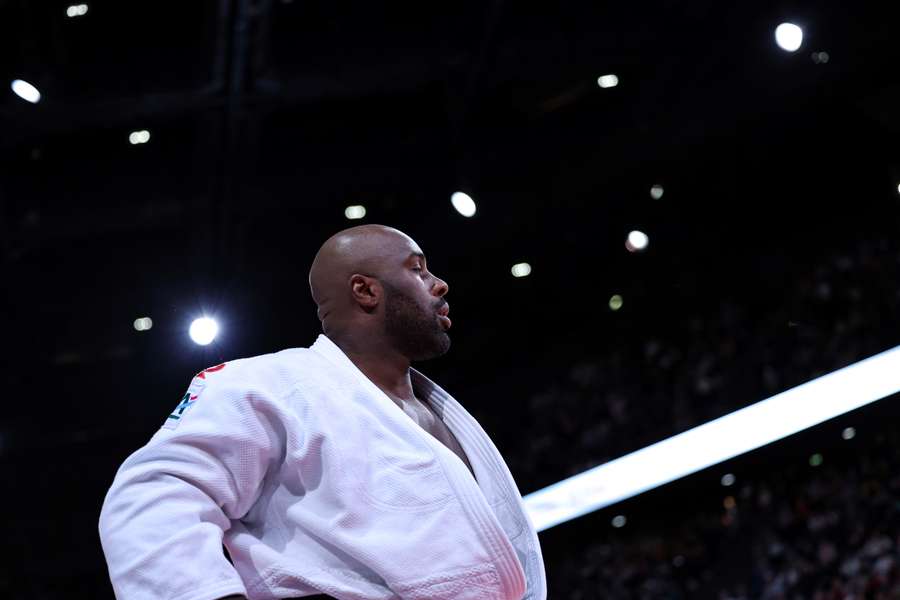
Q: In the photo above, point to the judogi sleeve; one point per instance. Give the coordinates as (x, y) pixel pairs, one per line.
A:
(162, 521)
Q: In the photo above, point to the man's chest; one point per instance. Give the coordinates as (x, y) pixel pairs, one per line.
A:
(422, 414)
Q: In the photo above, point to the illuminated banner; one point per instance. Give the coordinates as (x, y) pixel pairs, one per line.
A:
(726, 437)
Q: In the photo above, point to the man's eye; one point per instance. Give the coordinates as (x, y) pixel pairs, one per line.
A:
(417, 268)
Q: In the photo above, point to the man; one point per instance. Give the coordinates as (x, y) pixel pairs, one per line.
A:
(335, 469)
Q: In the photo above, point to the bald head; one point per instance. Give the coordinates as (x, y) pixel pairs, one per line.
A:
(367, 250)
(372, 283)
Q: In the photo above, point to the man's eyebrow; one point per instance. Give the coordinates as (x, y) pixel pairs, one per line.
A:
(418, 254)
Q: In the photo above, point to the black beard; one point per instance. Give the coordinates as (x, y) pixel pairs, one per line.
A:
(415, 333)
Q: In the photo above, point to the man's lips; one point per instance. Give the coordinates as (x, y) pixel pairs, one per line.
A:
(442, 313)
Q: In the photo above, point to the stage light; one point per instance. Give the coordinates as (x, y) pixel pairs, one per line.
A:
(815, 460)
(25, 91)
(728, 479)
(637, 241)
(139, 137)
(619, 521)
(203, 331)
(143, 324)
(849, 433)
(521, 270)
(463, 203)
(898, 188)
(656, 192)
(729, 502)
(357, 211)
(788, 36)
(607, 81)
(736, 433)
(77, 10)
(820, 58)
(615, 303)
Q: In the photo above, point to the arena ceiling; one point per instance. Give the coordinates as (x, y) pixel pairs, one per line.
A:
(268, 118)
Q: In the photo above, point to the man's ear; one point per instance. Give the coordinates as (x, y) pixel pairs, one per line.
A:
(367, 291)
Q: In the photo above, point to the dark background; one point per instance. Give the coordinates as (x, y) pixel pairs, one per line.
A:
(773, 253)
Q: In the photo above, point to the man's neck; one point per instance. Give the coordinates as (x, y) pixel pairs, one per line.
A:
(382, 365)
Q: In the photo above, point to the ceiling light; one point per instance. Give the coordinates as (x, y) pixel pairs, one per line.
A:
(788, 36)
(615, 303)
(637, 241)
(357, 211)
(521, 270)
(25, 91)
(203, 331)
(139, 137)
(607, 81)
(77, 10)
(463, 203)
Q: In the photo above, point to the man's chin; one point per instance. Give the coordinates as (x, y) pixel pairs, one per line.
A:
(440, 348)
(445, 346)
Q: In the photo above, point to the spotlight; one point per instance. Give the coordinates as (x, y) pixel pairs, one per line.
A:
(615, 303)
(463, 203)
(815, 460)
(354, 212)
(619, 521)
(203, 331)
(25, 91)
(656, 192)
(637, 241)
(521, 270)
(77, 10)
(728, 479)
(788, 36)
(143, 324)
(607, 81)
(139, 137)
(849, 433)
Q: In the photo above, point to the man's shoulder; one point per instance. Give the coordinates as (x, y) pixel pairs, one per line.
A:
(275, 371)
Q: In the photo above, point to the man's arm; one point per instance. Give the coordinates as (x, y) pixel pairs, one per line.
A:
(162, 522)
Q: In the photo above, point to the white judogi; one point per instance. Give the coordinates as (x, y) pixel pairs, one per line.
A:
(321, 484)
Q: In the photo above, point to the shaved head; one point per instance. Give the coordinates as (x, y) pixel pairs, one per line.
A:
(363, 249)
(372, 280)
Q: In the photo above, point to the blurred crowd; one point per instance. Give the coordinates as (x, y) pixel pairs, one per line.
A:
(641, 390)
(825, 533)
(831, 533)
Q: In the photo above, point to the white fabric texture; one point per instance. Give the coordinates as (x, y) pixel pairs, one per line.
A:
(316, 482)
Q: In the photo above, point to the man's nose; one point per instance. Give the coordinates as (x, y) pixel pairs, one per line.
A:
(440, 287)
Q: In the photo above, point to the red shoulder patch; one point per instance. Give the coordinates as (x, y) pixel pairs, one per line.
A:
(202, 374)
